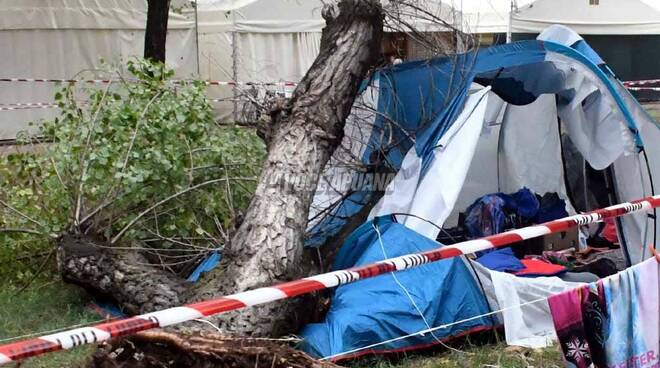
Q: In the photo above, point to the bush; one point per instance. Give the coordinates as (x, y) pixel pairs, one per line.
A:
(141, 163)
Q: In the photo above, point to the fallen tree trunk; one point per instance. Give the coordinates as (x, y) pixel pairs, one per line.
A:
(268, 246)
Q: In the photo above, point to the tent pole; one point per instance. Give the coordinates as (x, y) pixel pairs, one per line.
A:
(508, 30)
(234, 63)
(197, 36)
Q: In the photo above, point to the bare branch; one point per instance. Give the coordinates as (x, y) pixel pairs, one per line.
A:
(163, 201)
(21, 214)
(19, 230)
(85, 162)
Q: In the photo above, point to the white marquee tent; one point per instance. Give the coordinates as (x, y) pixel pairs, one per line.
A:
(590, 17)
(244, 40)
(57, 39)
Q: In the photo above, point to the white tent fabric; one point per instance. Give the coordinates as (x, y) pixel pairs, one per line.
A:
(525, 310)
(240, 41)
(59, 38)
(409, 192)
(621, 17)
(490, 16)
(639, 230)
(535, 164)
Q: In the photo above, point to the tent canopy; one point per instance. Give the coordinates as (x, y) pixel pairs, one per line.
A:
(305, 16)
(425, 99)
(80, 14)
(604, 17)
(248, 16)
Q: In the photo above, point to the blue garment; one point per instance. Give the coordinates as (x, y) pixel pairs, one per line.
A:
(378, 309)
(488, 214)
(551, 208)
(525, 203)
(501, 260)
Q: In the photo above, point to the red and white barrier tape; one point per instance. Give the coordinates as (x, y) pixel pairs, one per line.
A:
(27, 106)
(52, 105)
(106, 81)
(643, 88)
(640, 82)
(105, 331)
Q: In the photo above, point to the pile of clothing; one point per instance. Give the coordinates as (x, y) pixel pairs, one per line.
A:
(499, 212)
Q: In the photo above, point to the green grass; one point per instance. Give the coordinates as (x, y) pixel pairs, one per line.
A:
(469, 356)
(653, 109)
(45, 308)
(56, 305)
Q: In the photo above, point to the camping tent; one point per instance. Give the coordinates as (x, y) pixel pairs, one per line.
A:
(625, 33)
(58, 39)
(479, 123)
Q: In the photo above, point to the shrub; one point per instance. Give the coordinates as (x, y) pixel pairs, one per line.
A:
(140, 163)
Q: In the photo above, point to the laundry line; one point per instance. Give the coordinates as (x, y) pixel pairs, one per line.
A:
(167, 317)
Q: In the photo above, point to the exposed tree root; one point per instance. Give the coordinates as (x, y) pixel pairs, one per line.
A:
(151, 349)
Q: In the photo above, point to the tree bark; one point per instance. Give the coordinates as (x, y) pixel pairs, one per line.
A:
(268, 246)
(155, 34)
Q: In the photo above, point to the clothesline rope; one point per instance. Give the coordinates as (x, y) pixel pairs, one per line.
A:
(105, 331)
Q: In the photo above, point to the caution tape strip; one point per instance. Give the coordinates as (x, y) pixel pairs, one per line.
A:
(220, 83)
(177, 81)
(52, 105)
(643, 88)
(28, 106)
(640, 82)
(105, 331)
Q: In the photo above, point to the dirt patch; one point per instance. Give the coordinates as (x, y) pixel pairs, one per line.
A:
(159, 349)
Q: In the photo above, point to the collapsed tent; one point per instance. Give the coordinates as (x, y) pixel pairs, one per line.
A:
(454, 129)
(377, 310)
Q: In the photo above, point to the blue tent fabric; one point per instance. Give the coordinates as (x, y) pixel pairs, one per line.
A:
(377, 309)
(209, 263)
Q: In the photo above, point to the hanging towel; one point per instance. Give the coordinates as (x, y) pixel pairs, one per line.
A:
(613, 323)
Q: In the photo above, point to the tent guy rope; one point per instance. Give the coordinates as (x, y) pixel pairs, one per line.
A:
(107, 330)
